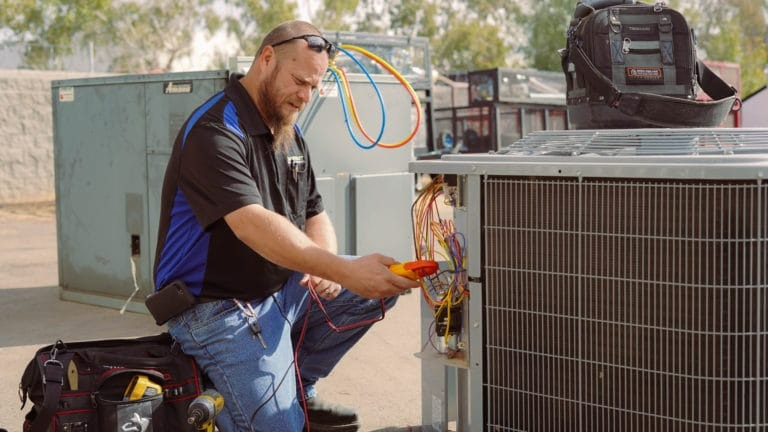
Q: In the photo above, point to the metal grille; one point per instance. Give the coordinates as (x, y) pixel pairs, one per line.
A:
(634, 142)
(620, 304)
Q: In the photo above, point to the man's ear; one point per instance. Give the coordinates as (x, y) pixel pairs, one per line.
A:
(267, 55)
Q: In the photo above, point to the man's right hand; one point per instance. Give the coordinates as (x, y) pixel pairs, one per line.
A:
(369, 277)
(275, 238)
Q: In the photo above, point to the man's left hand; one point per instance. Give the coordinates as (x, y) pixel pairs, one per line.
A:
(324, 288)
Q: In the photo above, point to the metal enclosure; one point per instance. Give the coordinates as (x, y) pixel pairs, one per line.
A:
(112, 142)
(487, 110)
(618, 282)
(112, 137)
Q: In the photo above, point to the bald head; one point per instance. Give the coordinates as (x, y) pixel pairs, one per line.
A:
(288, 30)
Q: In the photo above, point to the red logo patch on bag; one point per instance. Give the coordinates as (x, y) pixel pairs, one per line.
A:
(644, 75)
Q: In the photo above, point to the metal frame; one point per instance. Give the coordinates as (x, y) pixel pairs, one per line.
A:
(492, 115)
(740, 164)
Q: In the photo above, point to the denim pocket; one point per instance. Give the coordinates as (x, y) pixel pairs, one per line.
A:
(206, 314)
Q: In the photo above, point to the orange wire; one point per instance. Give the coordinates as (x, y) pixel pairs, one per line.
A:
(403, 81)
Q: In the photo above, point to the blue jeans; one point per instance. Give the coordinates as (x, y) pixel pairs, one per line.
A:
(258, 384)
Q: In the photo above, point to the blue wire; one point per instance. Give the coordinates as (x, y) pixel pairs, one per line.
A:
(378, 95)
(375, 88)
(346, 117)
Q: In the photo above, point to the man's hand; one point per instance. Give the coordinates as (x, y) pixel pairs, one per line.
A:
(326, 289)
(275, 238)
(369, 277)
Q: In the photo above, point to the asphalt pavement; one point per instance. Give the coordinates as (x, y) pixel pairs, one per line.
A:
(380, 376)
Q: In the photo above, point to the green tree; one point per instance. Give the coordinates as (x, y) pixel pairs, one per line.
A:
(255, 18)
(372, 16)
(153, 35)
(335, 14)
(137, 35)
(545, 25)
(460, 38)
(50, 30)
(470, 46)
(463, 34)
(733, 31)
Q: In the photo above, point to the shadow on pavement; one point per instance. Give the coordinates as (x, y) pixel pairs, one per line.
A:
(36, 316)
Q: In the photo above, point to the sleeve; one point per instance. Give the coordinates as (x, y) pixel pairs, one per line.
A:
(214, 174)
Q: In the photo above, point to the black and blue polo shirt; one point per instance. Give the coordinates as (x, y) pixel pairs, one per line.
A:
(223, 159)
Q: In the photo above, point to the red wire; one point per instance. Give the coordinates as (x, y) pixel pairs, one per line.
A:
(296, 366)
(313, 296)
(345, 327)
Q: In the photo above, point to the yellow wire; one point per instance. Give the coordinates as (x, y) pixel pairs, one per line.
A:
(402, 80)
(345, 88)
(436, 232)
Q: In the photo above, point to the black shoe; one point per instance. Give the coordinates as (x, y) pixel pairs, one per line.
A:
(327, 417)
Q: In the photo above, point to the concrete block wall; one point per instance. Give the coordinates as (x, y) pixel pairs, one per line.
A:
(26, 134)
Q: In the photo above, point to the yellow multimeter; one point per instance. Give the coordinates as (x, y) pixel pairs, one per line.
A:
(140, 387)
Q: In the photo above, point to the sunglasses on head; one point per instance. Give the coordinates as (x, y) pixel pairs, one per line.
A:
(316, 43)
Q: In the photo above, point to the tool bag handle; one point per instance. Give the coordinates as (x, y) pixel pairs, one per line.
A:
(586, 7)
(53, 377)
(660, 110)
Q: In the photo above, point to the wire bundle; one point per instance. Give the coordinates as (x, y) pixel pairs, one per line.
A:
(436, 239)
(348, 102)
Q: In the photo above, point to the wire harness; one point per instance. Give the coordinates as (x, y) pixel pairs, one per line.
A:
(435, 238)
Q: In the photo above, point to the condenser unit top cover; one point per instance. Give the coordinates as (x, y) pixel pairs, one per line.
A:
(640, 153)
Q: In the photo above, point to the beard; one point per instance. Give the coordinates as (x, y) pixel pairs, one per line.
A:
(280, 124)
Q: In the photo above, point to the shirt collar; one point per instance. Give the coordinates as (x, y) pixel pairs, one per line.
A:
(249, 115)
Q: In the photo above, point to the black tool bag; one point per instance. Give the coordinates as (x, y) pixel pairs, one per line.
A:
(630, 65)
(86, 386)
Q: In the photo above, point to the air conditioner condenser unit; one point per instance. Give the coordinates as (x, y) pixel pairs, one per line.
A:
(617, 281)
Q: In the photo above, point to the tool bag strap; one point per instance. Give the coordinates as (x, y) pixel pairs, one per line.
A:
(660, 110)
(53, 377)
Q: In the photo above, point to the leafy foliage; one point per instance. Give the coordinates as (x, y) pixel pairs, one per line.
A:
(154, 35)
(470, 46)
(545, 25)
(255, 18)
(332, 14)
(49, 30)
(145, 35)
(464, 34)
(734, 31)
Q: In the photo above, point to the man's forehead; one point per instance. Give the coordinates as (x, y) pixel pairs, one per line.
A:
(308, 66)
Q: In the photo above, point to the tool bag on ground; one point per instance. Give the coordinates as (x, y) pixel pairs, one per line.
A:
(138, 385)
(630, 65)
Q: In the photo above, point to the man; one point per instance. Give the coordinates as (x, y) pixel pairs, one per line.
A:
(243, 226)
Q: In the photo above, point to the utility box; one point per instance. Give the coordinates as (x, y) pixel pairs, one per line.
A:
(112, 137)
(112, 141)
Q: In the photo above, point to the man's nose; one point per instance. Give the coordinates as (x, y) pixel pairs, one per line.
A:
(305, 94)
